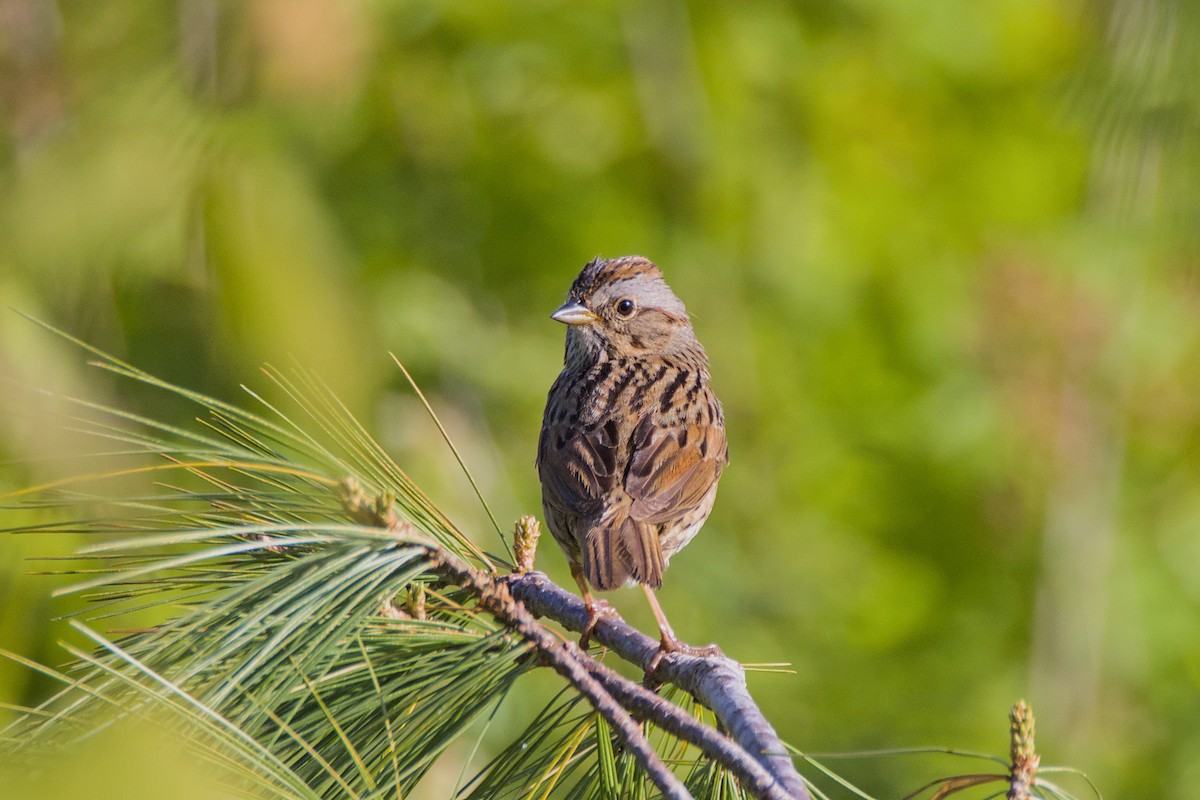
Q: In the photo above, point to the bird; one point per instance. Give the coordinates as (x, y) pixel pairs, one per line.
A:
(632, 443)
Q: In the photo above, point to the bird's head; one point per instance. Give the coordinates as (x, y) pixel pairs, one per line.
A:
(624, 307)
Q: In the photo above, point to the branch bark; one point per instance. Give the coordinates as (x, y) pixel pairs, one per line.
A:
(566, 658)
(716, 681)
(752, 751)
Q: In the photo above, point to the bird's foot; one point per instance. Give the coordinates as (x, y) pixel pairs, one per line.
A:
(597, 609)
(666, 646)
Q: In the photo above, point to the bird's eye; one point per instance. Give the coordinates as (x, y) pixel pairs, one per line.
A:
(625, 307)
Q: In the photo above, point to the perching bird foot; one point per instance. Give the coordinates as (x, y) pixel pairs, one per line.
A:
(666, 646)
(596, 610)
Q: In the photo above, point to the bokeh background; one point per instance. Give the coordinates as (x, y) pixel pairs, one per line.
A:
(944, 258)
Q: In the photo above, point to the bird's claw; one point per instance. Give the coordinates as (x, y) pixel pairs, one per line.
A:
(666, 646)
(596, 609)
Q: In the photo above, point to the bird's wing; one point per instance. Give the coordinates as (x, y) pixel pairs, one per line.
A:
(579, 471)
(578, 468)
(672, 467)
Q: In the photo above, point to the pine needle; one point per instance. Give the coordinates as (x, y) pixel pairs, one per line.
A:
(458, 456)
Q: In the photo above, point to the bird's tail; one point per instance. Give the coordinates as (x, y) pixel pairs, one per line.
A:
(615, 550)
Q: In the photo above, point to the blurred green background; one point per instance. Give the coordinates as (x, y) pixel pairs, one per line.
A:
(944, 258)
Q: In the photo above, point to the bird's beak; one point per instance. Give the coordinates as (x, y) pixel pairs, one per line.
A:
(574, 314)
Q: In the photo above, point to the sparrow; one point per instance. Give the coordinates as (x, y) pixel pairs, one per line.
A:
(632, 443)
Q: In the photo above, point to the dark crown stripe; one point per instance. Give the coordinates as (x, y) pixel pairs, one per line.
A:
(622, 269)
(599, 271)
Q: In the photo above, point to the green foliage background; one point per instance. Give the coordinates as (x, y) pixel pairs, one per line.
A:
(943, 257)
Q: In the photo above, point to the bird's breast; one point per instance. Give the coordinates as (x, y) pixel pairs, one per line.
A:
(621, 387)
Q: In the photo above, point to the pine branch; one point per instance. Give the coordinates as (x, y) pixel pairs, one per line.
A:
(754, 754)
(752, 751)
(566, 658)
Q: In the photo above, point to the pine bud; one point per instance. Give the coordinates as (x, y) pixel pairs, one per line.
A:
(525, 539)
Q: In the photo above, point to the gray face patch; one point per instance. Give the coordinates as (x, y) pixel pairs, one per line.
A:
(646, 292)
